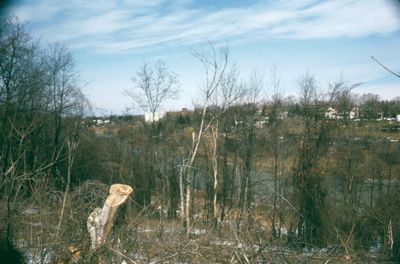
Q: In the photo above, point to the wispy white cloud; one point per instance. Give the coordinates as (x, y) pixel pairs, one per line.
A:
(111, 26)
(36, 12)
(386, 91)
(343, 19)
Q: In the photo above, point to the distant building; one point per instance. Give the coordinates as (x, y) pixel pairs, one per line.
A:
(331, 113)
(100, 122)
(260, 124)
(150, 117)
(283, 115)
(354, 113)
(398, 118)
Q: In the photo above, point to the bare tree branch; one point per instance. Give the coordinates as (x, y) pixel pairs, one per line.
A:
(153, 85)
(386, 68)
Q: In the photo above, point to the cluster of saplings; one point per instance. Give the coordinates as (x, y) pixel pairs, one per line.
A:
(241, 158)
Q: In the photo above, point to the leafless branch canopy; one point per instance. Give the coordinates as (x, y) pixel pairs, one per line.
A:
(153, 85)
(215, 62)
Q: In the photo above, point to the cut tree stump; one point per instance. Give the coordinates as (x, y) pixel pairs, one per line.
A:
(100, 221)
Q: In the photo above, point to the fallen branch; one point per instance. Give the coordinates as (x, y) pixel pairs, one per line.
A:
(123, 255)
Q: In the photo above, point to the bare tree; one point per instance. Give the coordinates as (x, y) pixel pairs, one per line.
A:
(71, 145)
(309, 190)
(250, 100)
(17, 53)
(66, 98)
(275, 123)
(230, 91)
(370, 107)
(153, 86)
(340, 97)
(215, 62)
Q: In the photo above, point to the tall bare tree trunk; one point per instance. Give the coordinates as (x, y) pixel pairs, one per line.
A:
(274, 233)
(182, 193)
(189, 166)
(187, 207)
(71, 149)
(214, 142)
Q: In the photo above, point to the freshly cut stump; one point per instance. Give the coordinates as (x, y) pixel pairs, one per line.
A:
(100, 221)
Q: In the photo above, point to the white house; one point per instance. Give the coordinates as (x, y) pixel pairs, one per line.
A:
(354, 113)
(331, 113)
(150, 118)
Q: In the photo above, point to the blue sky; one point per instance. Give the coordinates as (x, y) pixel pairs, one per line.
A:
(110, 39)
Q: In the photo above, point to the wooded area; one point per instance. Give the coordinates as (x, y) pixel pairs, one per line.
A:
(250, 175)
